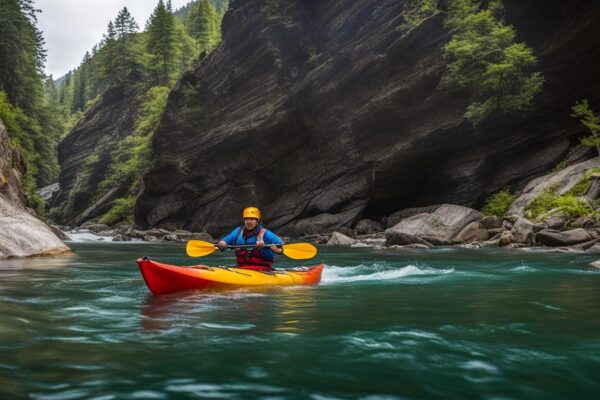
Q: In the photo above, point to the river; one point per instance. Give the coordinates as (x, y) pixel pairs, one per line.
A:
(443, 323)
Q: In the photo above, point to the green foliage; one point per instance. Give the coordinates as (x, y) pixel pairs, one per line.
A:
(571, 204)
(121, 210)
(573, 207)
(498, 204)
(204, 24)
(131, 157)
(275, 12)
(559, 166)
(161, 44)
(415, 11)
(591, 121)
(485, 60)
(541, 204)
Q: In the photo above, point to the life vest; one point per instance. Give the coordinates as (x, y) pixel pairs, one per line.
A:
(252, 258)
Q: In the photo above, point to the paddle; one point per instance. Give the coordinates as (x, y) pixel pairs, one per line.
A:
(296, 251)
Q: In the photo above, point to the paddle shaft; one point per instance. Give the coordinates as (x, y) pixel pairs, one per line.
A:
(246, 246)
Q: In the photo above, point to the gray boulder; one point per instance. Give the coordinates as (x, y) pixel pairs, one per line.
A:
(472, 233)
(562, 181)
(556, 222)
(24, 235)
(398, 216)
(346, 231)
(206, 237)
(491, 222)
(440, 227)
(404, 239)
(366, 227)
(524, 231)
(554, 238)
(506, 239)
(339, 239)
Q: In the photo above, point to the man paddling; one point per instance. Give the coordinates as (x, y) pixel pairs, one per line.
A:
(259, 257)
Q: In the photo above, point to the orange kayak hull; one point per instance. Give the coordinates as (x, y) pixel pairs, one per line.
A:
(164, 278)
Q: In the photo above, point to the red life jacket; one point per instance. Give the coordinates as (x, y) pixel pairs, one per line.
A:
(252, 258)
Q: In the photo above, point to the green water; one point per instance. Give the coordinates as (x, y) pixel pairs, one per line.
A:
(445, 323)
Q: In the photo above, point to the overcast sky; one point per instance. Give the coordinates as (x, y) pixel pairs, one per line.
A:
(72, 27)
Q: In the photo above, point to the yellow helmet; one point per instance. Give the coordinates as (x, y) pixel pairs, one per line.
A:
(251, 212)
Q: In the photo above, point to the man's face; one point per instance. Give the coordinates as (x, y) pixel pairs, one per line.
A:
(250, 223)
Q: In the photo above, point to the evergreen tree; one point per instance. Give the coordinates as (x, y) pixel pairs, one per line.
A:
(125, 27)
(204, 24)
(161, 44)
(486, 60)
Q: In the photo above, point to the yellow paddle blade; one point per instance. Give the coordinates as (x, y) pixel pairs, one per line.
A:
(299, 251)
(198, 248)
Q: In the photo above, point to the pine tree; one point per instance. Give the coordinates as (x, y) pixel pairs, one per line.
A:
(204, 24)
(161, 43)
(125, 26)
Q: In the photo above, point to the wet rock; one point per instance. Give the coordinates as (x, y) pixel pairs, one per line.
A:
(110, 232)
(59, 232)
(196, 236)
(556, 222)
(149, 238)
(171, 238)
(472, 233)
(404, 239)
(494, 232)
(339, 239)
(398, 216)
(506, 239)
(524, 231)
(595, 264)
(584, 222)
(366, 226)
(316, 239)
(95, 228)
(491, 222)
(490, 243)
(347, 232)
(554, 238)
(121, 238)
(440, 227)
(361, 245)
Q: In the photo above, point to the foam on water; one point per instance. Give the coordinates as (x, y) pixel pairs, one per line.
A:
(377, 272)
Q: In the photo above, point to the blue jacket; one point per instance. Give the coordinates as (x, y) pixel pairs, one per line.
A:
(236, 237)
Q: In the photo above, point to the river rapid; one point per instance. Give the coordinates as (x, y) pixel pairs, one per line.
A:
(442, 323)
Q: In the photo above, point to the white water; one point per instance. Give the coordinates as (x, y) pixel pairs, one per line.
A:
(333, 274)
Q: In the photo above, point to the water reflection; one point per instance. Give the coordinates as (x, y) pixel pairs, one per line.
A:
(257, 310)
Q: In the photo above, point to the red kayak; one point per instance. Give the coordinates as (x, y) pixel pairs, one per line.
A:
(164, 278)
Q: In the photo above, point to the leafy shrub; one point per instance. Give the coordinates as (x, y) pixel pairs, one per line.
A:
(121, 210)
(541, 204)
(498, 204)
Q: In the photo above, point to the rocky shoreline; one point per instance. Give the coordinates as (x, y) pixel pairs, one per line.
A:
(447, 224)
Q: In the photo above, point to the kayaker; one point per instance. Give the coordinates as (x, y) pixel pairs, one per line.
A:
(252, 232)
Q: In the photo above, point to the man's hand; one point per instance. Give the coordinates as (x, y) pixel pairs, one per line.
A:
(276, 249)
(222, 245)
(260, 244)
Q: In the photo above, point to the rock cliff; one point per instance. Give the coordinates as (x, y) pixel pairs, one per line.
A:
(85, 155)
(322, 113)
(21, 233)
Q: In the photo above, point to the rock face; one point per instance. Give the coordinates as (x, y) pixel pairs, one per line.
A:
(330, 112)
(21, 233)
(96, 135)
